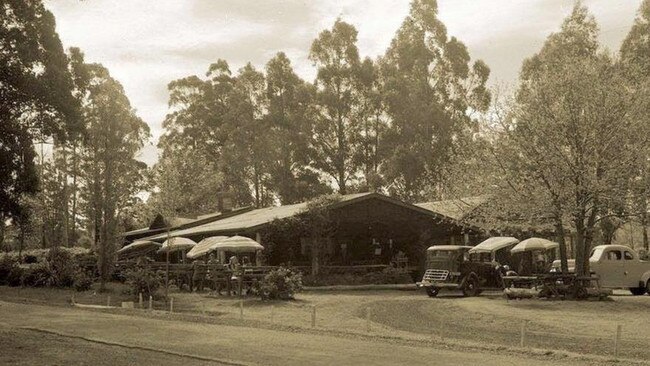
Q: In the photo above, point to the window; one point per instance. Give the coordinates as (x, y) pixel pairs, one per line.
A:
(614, 255)
(628, 256)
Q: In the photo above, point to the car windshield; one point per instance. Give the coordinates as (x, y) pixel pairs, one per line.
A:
(481, 257)
(442, 253)
(596, 253)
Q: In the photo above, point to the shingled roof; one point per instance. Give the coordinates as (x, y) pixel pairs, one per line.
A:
(257, 218)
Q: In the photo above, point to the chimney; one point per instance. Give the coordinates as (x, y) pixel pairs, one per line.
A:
(224, 201)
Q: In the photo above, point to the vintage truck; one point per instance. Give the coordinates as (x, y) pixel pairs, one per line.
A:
(617, 266)
(465, 268)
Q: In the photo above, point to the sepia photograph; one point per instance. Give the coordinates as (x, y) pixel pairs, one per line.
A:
(324, 182)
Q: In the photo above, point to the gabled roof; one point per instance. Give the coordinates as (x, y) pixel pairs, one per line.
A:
(158, 224)
(257, 218)
(457, 209)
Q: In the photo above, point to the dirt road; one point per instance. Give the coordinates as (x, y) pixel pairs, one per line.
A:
(225, 344)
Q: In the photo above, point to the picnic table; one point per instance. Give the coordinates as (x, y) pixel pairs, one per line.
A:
(556, 285)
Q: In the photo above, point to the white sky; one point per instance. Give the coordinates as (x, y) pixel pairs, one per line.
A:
(148, 43)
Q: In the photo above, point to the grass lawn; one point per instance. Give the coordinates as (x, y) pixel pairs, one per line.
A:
(582, 327)
(27, 347)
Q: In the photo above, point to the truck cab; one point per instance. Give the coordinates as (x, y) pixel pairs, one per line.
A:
(450, 267)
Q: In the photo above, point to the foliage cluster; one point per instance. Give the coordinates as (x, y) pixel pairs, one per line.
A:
(57, 269)
(143, 280)
(280, 284)
(388, 275)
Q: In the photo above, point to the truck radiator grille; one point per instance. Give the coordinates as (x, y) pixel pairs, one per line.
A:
(435, 275)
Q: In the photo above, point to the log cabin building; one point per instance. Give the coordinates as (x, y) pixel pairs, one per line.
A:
(369, 228)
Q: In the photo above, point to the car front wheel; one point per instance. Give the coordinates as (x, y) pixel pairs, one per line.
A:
(471, 287)
(433, 291)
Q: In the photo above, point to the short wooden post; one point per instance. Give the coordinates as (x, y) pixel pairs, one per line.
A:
(241, 309)
(150, 302)
(108, 300)
(140, 301)
(171, 304)
(617, 340)
(313, 316)
(522, 341)
(368, 320)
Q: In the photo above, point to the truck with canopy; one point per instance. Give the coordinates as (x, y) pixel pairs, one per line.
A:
(465, 268)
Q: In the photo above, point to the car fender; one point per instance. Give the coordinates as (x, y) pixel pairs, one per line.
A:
(469, 275)
(644, 278)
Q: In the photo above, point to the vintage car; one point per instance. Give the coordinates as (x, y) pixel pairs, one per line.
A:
(450, 267)
(617, 266)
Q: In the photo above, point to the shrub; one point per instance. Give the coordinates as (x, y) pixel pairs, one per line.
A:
(62, 268)
(82, 281)
(29, 259)
(388, 275)
(7, 266)
(143, 280)
(281, 283)
(15, 277)
(37, 276)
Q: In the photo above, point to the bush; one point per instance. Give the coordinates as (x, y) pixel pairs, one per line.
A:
(15, 277)
(82, 281)
(388, 275)
(37, 276)
(142, 280)
(61, 267)
(29, 259)
(281, 283)
(7, 266)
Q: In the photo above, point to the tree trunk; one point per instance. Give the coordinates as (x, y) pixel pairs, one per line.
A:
(580, 248)
(66, 213)
(73, 233)
(644, 228)
(559, 230)
(315, 256)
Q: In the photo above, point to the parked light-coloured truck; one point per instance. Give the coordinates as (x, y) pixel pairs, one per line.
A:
(617, 266)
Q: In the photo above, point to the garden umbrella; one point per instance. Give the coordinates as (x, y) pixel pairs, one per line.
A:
(494, 243)
(143, 246)
(238, 244)
(205, 246)
(176, 244)
(534, 244)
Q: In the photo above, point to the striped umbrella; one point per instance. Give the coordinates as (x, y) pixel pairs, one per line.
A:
(238, 244)
(534, 244)
(176, 244)
(205, 246)
(142, 246)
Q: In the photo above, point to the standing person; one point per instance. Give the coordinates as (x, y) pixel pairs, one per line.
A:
(235, 267)
(213, 271)
(246, 262)
(198, 275)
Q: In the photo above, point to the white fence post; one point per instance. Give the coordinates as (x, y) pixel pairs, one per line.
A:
(617, 340)
(241, 309)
